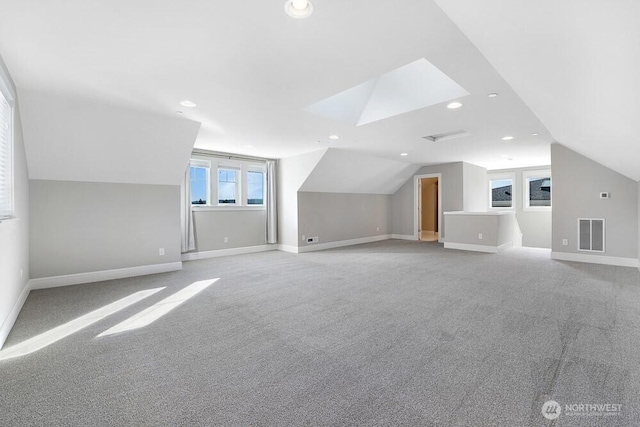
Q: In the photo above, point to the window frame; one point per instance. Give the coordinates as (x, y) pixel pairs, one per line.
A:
(9, 95)
(239, 181)
(243, 167)
(502, 176)
(255, 169)
(526, 177)
(204, 164)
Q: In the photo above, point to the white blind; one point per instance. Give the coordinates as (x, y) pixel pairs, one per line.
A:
(6, 158)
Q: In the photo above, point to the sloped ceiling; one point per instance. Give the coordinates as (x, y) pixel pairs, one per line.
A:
(252, 70)
(75, 139)
(573, 62)
(344, 171)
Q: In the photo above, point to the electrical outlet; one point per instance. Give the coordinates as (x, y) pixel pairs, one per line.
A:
(479, 236)
(161, 251)
(304, 237)
(226, 240)
(565, 242)
(313, 239)
(377, 228)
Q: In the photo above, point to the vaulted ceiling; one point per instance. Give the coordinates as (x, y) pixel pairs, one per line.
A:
(253, 70)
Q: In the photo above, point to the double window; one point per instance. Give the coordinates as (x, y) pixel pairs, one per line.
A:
(536, 190)
(221, 182)
(6, 152)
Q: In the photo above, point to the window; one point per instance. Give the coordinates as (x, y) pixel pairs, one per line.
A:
(537, 190)
(255, 187)
(228, 186)
(200, 189)
(218, 182)
(501, 195)
(6, 155)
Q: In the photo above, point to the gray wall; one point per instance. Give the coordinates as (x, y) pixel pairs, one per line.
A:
(496, 229)
(79, 227)
(402, 201)
(14, 234)
(242, 228)
(577, 182)
(342, 216)
(475, 188)
(535, 226)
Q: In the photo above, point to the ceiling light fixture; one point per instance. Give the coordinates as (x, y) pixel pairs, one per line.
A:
(404, 154)
(493, 95)
(535, 134)
(507, 138)
(187, 103)
(454, 105)
(298, 8)
(334, 137)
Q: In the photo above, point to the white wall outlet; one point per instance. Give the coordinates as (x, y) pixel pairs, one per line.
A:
(565, 242)
(304, 237)
(479, 236)
(226, 240)
(313, 239)
(377, 228)
(161, 251)
(604, 195)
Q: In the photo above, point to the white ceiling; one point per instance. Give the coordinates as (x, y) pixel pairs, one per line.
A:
(574, 63)
(252, 70)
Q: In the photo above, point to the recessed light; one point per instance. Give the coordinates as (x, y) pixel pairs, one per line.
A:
(493, 95)
(334, 137)
(298, 8)
(454, 105)
(404, 154)
(187, 103)
(535, 134)
(507, 138)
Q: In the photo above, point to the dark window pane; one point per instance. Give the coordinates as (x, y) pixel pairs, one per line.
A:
(501, 193)
(540, 191)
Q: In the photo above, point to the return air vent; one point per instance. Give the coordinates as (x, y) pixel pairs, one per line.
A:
(447, 135)
(591, 235)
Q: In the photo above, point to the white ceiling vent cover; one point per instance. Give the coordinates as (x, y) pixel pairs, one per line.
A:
(447, 135)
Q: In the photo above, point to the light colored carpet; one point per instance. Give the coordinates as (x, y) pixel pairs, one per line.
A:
(388, 333)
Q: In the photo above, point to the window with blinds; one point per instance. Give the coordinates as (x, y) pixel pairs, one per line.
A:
(6, 158)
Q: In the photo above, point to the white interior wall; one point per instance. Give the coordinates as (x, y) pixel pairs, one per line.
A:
(292, 173)
(14, 233)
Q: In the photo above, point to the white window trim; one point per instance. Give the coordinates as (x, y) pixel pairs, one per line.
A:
(9, 94)
(243, 166)
(498, 176)
(525, 189)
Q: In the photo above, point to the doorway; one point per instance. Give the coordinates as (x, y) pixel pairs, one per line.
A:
(428, 206)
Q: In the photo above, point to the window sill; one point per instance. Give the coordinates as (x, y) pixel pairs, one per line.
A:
(227, 208)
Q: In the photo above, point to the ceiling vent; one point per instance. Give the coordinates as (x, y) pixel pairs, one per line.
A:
(447, 135)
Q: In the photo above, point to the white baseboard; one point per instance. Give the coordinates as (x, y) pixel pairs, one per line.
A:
(341, 243)
(595, 259)
(403, 236)
(99, 276)
(13, 315)
(226, 252)
(475, 248)
(288, 248)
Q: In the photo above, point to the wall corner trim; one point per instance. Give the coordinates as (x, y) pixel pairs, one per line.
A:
(596, 259)
(288, 248)
(13, 315)
(99, 276)
(226, 252)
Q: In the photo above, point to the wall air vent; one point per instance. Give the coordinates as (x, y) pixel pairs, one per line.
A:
(447, 135)
(591, 234)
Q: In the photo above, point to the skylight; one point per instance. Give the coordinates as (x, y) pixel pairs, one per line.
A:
(411, 87)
